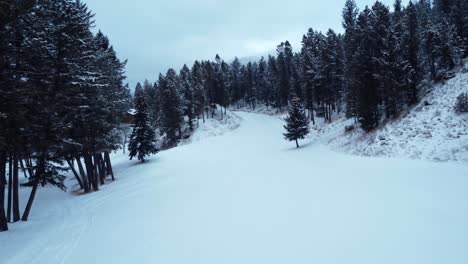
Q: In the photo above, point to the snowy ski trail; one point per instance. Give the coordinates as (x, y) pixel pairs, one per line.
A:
(248, 196)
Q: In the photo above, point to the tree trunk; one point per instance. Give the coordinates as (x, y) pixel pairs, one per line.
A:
(10, 187)
(98, 168)
(102, 167)
(312, 116)
(90, 172)
(16, 211)
(23, 168)
(72, 167)
(297, 143)
(27, 210)
(109, 165)
(3, 219)
(30, 166)
(83, 175)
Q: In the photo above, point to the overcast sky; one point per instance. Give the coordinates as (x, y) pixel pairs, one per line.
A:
(156, 35)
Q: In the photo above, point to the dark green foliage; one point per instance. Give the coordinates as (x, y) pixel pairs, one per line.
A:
(142, 140)
(61, 89)
(171, 108)
(297, 123)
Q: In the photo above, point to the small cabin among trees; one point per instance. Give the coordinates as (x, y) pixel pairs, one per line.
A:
(129, 117)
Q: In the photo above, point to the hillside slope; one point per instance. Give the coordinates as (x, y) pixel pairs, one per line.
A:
(431, 131)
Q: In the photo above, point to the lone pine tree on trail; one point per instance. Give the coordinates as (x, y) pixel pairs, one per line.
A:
(297, 123)
(142, 140)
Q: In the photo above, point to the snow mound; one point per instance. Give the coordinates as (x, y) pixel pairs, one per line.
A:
(214, 127)
(431, 130)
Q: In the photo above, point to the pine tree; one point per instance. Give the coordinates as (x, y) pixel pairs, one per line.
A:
(273, 82)
(142, 140)
(284, 62)
(263, 90)
(363, 69)
(198, 87)
(448, 48)
(297, 123)
(187, 95)
(249, 85)
(411, 52)
(171, 108)
(350, 13)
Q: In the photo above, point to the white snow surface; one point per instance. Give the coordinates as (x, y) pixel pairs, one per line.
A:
(248, 196)
(430, 131)
(213, 127)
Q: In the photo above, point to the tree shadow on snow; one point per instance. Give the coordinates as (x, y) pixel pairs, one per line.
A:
(303, 145)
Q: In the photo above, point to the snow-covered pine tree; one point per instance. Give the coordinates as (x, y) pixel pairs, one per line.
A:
(350, 13)
(249, 85)
(171, 108)
(297, 123)
(199, 94)
(284, 63)
(235, 83)
(225, 69)
(296, 76)
(142, 140)
(273, 81)
(188, 101)
(459, 19)
(363, 71)
(310, 58)
(263, 90)
(330, 73)
(448, 48)
(220, 83)
(410, 50)
(150, 91)
(381, 35)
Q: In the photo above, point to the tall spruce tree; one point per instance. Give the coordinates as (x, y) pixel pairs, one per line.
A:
(411, 52)
(285, 64)
(199, 94)
(363, 69)
(350, 14)
(171, 108)
(188, 101)
(142, 140)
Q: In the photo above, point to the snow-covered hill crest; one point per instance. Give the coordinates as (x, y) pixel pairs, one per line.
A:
(431, 131)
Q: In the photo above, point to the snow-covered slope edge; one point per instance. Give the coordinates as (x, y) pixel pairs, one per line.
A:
(213, 127)
(431, 131)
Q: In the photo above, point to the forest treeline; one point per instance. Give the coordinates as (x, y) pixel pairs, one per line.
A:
(372, 72)
(62, 99)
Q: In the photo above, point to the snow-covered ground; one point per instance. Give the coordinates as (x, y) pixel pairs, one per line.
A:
(430, 131)
(248, 196)
(213, 127)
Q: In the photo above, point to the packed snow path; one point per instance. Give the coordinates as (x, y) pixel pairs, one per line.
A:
(251, 197)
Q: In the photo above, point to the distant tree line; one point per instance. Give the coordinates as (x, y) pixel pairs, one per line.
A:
(372, 72)
(61, 99)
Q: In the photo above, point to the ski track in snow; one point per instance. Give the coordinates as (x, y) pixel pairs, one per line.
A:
(248, 196)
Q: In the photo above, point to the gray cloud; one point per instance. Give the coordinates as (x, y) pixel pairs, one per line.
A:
(156, 35)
